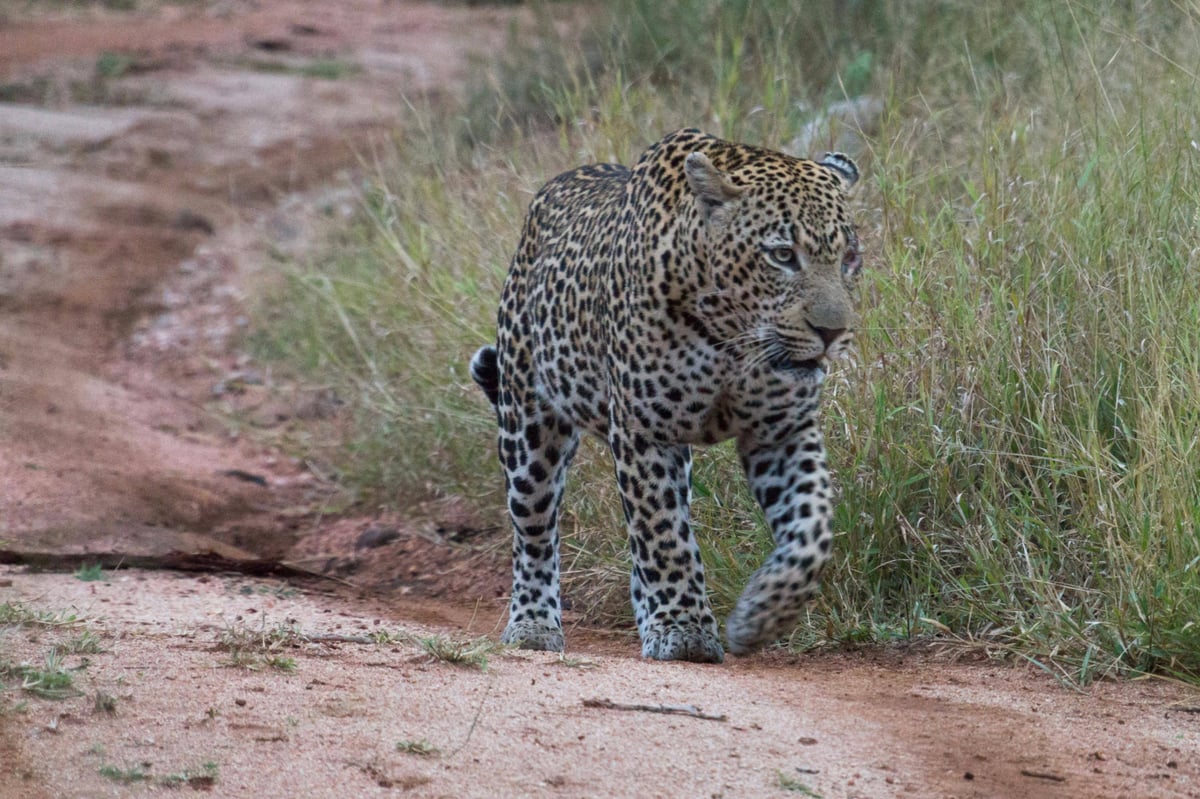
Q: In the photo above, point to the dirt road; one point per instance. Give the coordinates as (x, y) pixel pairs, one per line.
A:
(150, 163)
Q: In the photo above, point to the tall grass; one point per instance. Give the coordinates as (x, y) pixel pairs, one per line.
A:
(1016, 442)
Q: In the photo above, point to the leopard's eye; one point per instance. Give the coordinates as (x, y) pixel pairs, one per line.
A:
(784, 256)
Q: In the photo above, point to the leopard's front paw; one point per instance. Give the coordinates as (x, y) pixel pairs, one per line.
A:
(753, 625)
(531, 635)
(746, 634)
(681, 641)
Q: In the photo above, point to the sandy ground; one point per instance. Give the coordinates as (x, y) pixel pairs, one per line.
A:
(150, 163)
(332, 722)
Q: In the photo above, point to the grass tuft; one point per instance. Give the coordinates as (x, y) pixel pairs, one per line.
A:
(127, 776)
(51, 681)
(90, 574)
(18, 614)
(789, 783)
(422, 748)
(253, 649)
(472, 654)
(86, 643)
(281, 663)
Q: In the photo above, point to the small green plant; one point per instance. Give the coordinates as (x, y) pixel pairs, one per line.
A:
(281, 663)
(86, 643)
(14, 613)
(91, 573)
(422, 748)
(52, 681)
(386, 637)
(789, 783)
(128, 775)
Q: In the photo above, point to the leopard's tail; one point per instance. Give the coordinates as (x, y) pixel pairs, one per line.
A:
(485, 371)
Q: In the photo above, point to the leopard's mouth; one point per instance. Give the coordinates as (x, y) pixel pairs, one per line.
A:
(781, 354)
(782, 362)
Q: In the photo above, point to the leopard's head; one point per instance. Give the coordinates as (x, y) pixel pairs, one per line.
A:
(782, 253)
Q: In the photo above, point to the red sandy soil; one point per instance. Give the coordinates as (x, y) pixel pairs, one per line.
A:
(139, 202)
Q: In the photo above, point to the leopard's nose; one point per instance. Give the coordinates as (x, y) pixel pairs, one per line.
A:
(828, 334)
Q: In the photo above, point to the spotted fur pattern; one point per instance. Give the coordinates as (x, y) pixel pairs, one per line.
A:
(687, 301)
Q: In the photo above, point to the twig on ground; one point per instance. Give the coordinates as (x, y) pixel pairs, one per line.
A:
(1043, 775)
(679, 710)
(471, 731)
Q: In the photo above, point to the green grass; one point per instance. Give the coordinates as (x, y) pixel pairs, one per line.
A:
(281, 663)
(127, 776)
(789, 783)
(92, 573)
(201, 779)
(51, 681)
(1015, 445)
(18, 614)
(86, 643)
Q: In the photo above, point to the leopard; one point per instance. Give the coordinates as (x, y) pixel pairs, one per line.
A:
(694, 298)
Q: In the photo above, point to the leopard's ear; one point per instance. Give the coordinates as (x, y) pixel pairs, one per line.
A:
(842, 167)
(712, 187)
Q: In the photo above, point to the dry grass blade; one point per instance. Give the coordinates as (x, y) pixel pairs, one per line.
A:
(473, 654)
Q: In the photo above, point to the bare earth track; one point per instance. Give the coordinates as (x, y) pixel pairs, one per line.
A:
(150, 161)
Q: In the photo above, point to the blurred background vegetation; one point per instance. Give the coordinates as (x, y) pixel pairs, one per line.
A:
(1016, 441)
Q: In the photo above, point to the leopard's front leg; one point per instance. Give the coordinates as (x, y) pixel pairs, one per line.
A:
(670, 600)
(791, 483)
